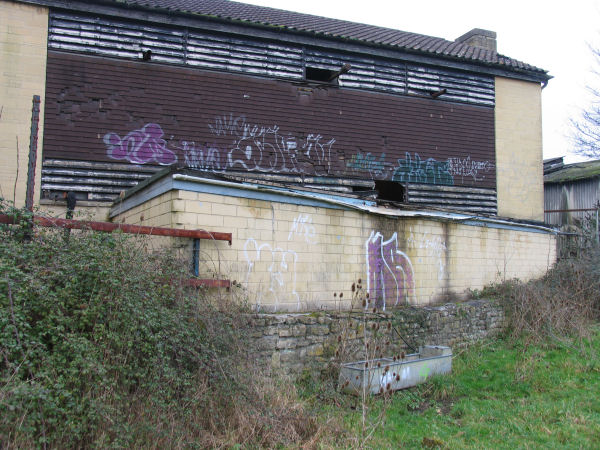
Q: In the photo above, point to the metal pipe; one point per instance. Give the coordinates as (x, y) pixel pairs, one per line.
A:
(125, 228)
(569, 210)
(196, 257)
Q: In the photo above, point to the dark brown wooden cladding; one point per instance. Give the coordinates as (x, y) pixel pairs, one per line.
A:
(100, 109)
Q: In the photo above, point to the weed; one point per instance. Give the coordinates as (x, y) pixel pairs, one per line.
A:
(562, 303)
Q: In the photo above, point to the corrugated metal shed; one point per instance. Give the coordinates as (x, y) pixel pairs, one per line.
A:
(572, 187)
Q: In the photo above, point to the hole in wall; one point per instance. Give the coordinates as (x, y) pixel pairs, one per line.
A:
(390, 190)
(321, 75)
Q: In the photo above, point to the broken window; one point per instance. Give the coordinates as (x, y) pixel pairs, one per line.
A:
(390, 190)
(321, 75)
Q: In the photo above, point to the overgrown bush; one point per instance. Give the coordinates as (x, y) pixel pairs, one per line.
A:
(102, 345)
(566, 301)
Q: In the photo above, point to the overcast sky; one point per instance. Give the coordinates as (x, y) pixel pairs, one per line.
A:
(553, 35)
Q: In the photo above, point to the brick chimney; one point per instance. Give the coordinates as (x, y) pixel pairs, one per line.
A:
(479, 38)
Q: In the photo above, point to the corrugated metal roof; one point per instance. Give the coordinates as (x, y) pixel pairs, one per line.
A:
(572, 172)
(341, 29)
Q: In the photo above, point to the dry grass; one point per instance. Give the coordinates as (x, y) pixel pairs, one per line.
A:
(563, 302)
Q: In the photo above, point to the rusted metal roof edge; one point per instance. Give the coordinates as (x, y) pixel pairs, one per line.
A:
(177, 181)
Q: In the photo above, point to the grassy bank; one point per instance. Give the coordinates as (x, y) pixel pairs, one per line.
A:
(500, 394)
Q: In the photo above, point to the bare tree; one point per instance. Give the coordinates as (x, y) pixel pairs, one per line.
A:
(586, 128)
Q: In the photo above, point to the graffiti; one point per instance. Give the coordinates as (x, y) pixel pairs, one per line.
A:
(227, 125)
(415, 170)
(198, 157)
(390, 275)
(140, 146)
(434, 245)
(467, 167)
(322, 152)
(279, 264)
(265, 148)
(255, 142)
(303, 226)
(368, 163)
(424, 372)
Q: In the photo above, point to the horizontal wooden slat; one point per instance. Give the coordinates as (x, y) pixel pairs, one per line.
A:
(127, 39)
(460, 198)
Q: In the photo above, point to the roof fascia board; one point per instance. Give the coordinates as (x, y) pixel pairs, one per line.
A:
(286, 35)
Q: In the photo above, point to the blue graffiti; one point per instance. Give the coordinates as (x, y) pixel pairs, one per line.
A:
(429, 171)
(368, 163)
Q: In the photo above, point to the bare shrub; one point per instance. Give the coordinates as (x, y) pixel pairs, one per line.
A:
(562, 303)
(366, 337)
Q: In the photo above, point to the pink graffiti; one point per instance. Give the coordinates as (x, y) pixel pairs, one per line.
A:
(140, 146)
(390, 276)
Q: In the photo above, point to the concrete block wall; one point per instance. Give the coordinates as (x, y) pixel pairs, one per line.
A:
(157, 212)
(519, 165)
(23, 42)
(290, 257)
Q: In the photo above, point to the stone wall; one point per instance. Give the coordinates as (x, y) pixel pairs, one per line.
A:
(294, 342)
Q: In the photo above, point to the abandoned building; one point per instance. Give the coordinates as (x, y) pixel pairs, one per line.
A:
(330, 150)
(571, 191)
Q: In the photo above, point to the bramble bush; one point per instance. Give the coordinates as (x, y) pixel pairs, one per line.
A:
(102, 345)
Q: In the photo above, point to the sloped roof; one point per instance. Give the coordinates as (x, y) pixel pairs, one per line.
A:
(335, 28)
(573, 172)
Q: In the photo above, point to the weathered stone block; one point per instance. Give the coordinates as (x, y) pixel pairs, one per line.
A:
(294, 330)
(307, 319)
(320, 330)
(266, 343)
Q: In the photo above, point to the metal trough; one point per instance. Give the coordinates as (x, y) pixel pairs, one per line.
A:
(410, 371)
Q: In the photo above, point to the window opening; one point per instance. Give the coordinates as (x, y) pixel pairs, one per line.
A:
(390, 190)
(321, 75)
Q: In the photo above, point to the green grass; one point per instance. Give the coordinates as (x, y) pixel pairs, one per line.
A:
(501, 395)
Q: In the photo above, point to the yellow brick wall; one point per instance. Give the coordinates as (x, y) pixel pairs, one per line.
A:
(519, 165)
(23, 42)
(154, 213)
(292, 257)
(83, 210)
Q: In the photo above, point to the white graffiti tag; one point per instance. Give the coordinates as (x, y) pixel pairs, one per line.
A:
(199, 157)
(434, 245)
(303, 226)
(467, 167)
(267, 149)
(279, 265)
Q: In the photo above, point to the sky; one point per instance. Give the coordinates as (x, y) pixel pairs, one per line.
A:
(553, 35)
